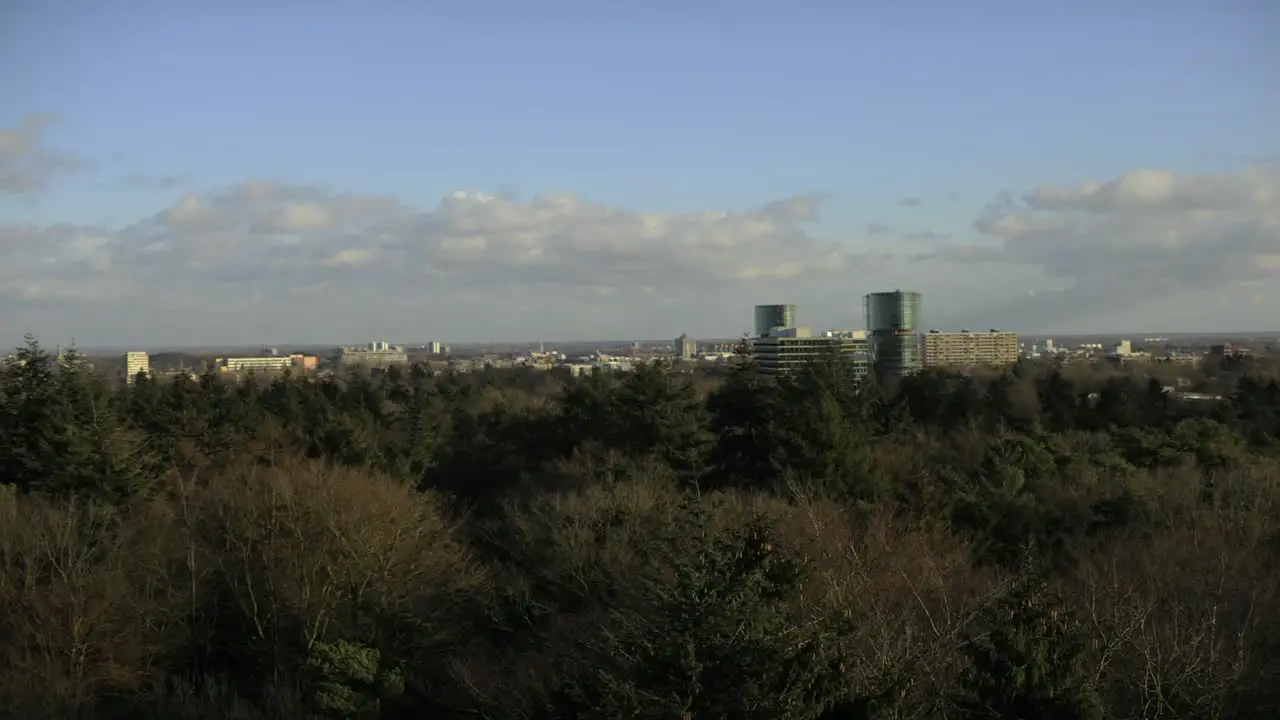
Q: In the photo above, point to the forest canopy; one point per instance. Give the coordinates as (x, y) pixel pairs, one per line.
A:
(646, 544)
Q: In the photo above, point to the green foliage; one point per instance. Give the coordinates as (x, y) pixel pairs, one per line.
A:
(658, 543)
(61, 432)
(346, 680)
(745, 421)
(1197, 441)
(723, 638)
(1031, 663)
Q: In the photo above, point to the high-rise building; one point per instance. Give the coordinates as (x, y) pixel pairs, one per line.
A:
(968, 349)
(685, 348)
(893, 323)
(785, 350)
(769, 317)
(136, 362)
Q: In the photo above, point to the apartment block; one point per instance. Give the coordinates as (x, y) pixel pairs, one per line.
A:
(685, 348)
(134, 363)
(968, 349)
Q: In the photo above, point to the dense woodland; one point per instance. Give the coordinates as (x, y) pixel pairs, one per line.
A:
(655, 544)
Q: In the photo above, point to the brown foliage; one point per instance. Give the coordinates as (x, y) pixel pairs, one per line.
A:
(96, 597)
(81, 616)
(100, 601)
(312, 553)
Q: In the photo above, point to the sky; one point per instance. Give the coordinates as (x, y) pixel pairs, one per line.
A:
(293, 173)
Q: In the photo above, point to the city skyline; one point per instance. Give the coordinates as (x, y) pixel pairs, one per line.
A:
(182, 177)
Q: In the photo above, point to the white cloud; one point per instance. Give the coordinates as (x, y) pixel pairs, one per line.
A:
(267, 260)
(352, 256)
(1148, 244)
(26, 166)
(300, 216)
(272, 261)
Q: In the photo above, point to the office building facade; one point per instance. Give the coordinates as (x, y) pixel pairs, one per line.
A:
(893, 325)
(786, 350)
(970, 349)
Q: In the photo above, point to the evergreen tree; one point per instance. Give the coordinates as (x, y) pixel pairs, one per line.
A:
(745, 413)
(1031, 664)
(64, 433)
(1058, 402)
(721, 641)
(586, 413)
(658, 413)
(826, 429)
(28, 402)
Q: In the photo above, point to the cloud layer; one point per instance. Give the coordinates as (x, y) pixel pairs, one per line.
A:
(274, 261)
(269, 259)
(26, 165)
(469, 241)
(1149, 238)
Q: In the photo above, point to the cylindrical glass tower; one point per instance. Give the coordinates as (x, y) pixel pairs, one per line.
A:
(769, 317)
(893, 322)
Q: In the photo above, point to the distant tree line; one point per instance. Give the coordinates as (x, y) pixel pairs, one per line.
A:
(647, 544)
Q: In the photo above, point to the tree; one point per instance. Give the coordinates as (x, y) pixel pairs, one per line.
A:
(744, 420)
(65, 434)
(722, 640)
(825, 432)
(658, 412)
(347, 680)
(28, 398)
(1058, 402)
(1031, 663)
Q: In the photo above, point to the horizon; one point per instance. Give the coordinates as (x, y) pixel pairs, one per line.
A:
(101, 350)
(202, 176)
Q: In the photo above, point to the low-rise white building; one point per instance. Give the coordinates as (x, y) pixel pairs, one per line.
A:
(375, 354)
(258, 364)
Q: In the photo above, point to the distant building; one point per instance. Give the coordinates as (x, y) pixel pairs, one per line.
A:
(785, 350)
(433, 348)
(374, 355)
(768, 317)
(893, 322)
(136, 362)
(685, 348)
(1228, 350)
(257, 364)
(968, 349)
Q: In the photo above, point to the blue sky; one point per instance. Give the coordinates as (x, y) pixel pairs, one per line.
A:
(661, 107)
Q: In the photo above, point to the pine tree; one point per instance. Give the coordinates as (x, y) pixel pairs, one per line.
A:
(28, 396)
(826, 428)
(744, 418)
(659, 413)
(1031, 664)
(721, 641)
